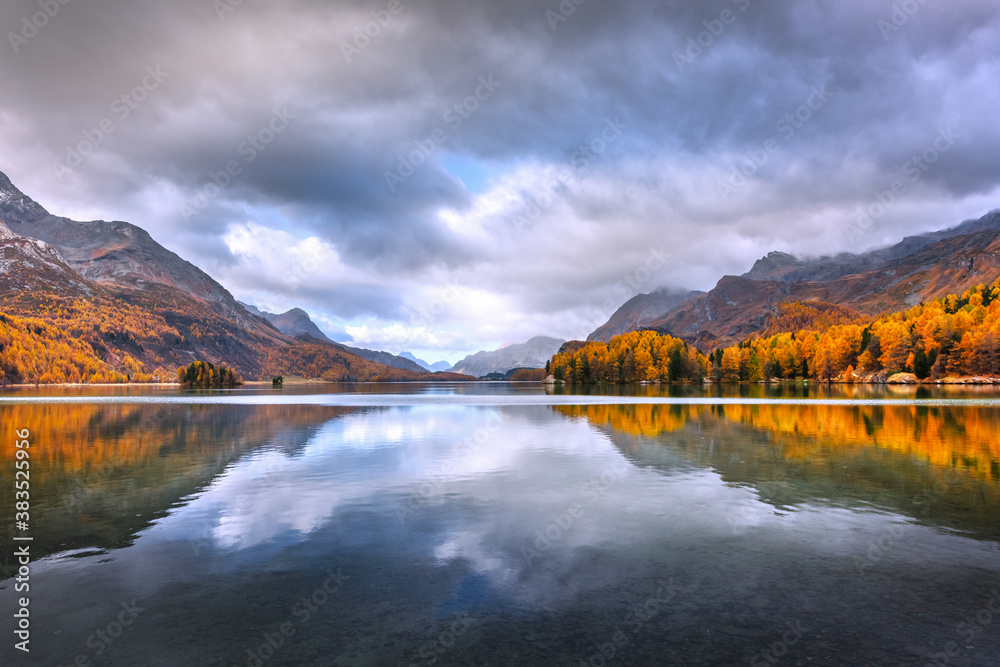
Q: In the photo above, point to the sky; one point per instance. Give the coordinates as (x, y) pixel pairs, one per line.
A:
(444, 177)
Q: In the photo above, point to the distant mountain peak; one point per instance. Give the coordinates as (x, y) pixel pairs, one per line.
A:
(434, 368)
(294, 322)
(773, 261)
(252, 308)
(530, 354)
(299, 325)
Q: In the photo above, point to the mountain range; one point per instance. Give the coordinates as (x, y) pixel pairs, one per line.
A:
(435, 367)
(141, 310)
(531, 354)
(916, 269)
(144, 311)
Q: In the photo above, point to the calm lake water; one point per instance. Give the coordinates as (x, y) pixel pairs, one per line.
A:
(496, 524)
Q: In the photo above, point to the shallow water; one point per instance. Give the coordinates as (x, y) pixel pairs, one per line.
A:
(496, 524)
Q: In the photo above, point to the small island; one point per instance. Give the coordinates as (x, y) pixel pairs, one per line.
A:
(205, 375)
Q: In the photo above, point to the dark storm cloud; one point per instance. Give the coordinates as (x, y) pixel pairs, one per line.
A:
(701, 87)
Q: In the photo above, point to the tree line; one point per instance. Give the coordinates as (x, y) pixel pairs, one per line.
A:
(638, 356)
(951, 336)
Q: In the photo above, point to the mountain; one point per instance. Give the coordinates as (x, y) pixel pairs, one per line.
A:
(297, 323)
(384, 358)
(293, 323)
(639, 311)
(532, 354)
(110, 303)
(890, 279)
(119, 255)
(142, 333)
(311, 358)
(434, 368)
(787, 268)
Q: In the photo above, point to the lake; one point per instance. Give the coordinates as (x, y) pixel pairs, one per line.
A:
(506, 524)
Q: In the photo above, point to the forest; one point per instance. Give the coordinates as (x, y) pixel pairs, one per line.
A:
(113, 341)
(49, 339)
(34, 351)
(638, 356)
(950, 337)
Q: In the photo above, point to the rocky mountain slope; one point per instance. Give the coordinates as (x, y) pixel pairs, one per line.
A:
(119, 255)
(639, 311)
(28, 265)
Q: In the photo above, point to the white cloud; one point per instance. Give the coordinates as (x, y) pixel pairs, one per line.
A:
(318, 190)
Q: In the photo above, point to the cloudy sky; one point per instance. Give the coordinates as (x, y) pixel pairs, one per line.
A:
(447, 176)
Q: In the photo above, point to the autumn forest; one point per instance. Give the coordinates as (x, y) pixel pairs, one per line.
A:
(952, 337)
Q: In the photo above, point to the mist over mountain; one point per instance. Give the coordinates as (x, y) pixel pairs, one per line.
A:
(890, 279)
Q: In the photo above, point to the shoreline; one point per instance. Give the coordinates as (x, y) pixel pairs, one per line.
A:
(254, 383)
(897, 380)
(892, 381)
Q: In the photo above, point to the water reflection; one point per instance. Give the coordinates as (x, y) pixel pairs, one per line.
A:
(543, 526)
(937, 464)
(781, 391)
(103, 473)
(961, 436)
